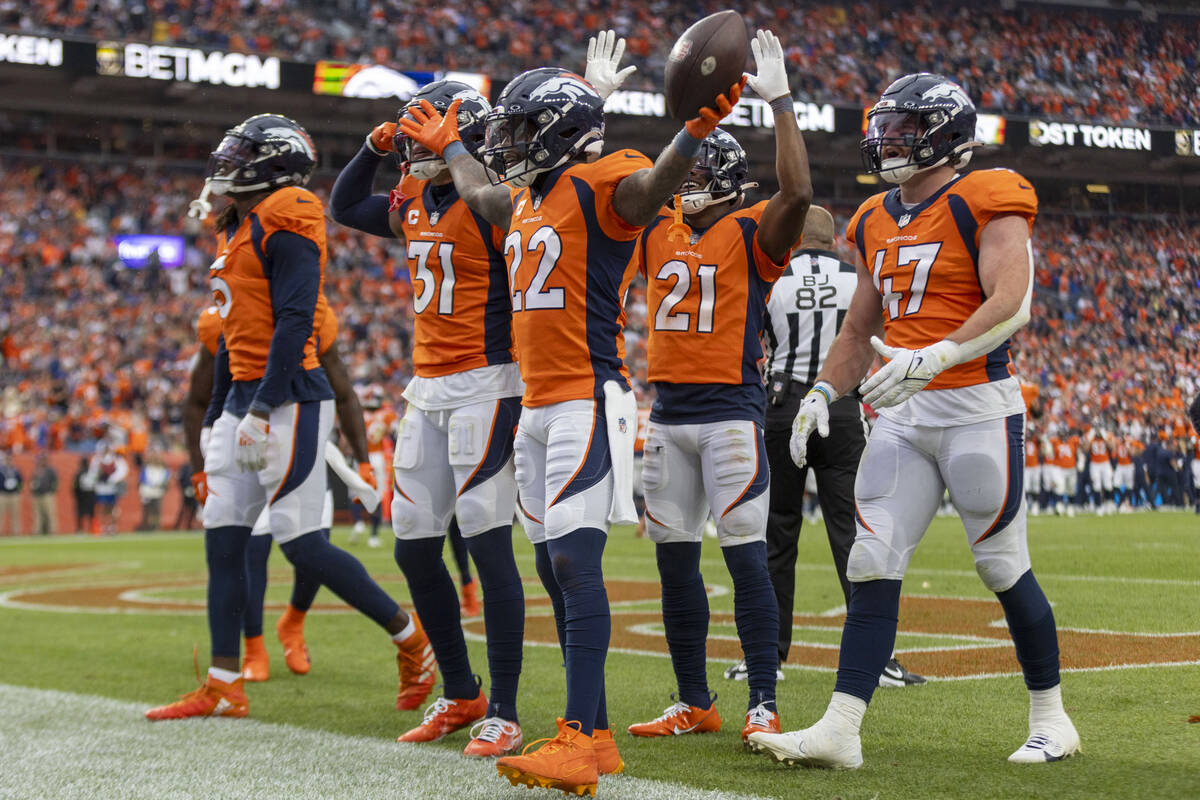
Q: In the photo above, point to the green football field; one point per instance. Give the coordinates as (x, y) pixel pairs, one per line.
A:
(93, 631)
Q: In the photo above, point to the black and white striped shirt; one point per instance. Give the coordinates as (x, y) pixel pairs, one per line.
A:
(805, 312)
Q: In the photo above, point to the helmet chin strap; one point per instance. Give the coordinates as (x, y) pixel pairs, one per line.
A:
(695, 202)
(200, 208)
(901, 170)
(427, 169)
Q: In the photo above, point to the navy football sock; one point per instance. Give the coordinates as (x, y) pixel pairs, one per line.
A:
(541, 561)
(867, 637)
(343, 574)
(757, 617)
(576, 559)
(305, 585)
(225, 552)
(503, 615)
(685, 618)
(375, 518)
(1031, 624)
(436, 602)
(601, 709)
(257, 552)
(458, 546)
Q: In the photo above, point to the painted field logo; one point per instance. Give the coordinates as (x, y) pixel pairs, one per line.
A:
(951, 637)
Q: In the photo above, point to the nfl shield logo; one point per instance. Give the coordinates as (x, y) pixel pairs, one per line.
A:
(621, 426)
(434, 217)
(904, 220)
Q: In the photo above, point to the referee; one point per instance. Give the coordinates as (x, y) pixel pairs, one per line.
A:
(804, 313)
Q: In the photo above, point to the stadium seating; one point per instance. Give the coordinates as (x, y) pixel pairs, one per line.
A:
(1075, 63)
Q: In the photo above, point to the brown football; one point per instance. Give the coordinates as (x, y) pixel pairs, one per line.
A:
(706, 60)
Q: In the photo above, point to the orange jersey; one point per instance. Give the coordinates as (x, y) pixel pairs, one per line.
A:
(208, 330)
(241, 286)
(1098, 451)
(1124, 455)
(924, 262)
(706, 302)
(380, 422)
(569, 264)
(1029, 393)
(1031, 457)
(460, 286)
(1064, 454)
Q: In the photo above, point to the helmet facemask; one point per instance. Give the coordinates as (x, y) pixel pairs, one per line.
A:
(717, 176)
(919, 133)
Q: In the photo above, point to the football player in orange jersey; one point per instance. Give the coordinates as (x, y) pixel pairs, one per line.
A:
(570, 218)
(1100, 470)
(272, 406)
(381, 424)
(948, 260)
(708, 277)
(454, 450)
(290, 627)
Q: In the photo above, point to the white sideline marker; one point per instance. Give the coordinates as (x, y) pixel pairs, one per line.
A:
(65, 746)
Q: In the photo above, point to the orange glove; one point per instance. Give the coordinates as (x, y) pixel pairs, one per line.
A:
(426, 126)
(200, 485)
(703, 125)
(380, 139)
(367, 473)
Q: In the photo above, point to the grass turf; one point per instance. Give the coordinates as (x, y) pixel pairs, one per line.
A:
(947, 739)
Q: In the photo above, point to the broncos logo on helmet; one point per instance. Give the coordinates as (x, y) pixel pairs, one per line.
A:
(927, 115)
(543, 119)
(472, 116)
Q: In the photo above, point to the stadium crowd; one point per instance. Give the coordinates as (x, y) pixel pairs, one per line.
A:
(95, 352)
(1108, 66)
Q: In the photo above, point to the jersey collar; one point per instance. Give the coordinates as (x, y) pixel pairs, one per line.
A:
(434, 208)
(901, 215)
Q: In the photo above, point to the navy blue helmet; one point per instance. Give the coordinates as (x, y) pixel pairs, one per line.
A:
(721, 172)
(264, 152)
(542, 119)
(472, 114)
(928, 115)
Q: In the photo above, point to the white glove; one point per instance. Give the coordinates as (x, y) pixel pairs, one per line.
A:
(251, 451)
(205, 436)
(603, 58)
(906, 373)
(813, 413)
(771, 82)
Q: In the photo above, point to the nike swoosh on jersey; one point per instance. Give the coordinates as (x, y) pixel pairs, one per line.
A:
(1023, 186)
(302, 200)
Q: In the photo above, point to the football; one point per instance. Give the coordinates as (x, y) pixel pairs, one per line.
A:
(706, 60)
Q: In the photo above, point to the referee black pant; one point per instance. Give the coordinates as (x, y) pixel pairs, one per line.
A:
(835, 461)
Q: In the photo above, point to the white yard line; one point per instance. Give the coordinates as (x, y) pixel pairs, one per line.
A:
(66, 746)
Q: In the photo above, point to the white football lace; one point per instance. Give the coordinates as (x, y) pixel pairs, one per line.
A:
(439, 706)
(674, 711)
(493, 729)
(760, 715)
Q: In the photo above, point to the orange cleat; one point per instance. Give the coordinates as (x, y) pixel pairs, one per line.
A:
(608, 760)
(470, 599)
(759, 719)
(214, 698)
(566, 762)
(447, 716)
(680, 719)
(256, 666)
(494, 736)
(290, 630)
(418, 669)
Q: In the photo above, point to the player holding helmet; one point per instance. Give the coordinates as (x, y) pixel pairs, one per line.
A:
(948, 258)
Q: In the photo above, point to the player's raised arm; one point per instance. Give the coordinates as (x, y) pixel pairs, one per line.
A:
(440, 135)
(640, 197)
(783, 218)
(351, 202)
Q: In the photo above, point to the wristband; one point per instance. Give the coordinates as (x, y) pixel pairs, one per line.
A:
(374, 150)
(454, 150)
(783, 105)
(687, 145)
(826, 390)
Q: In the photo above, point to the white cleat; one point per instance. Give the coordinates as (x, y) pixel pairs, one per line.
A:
(812, 747)
(1048, 743)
